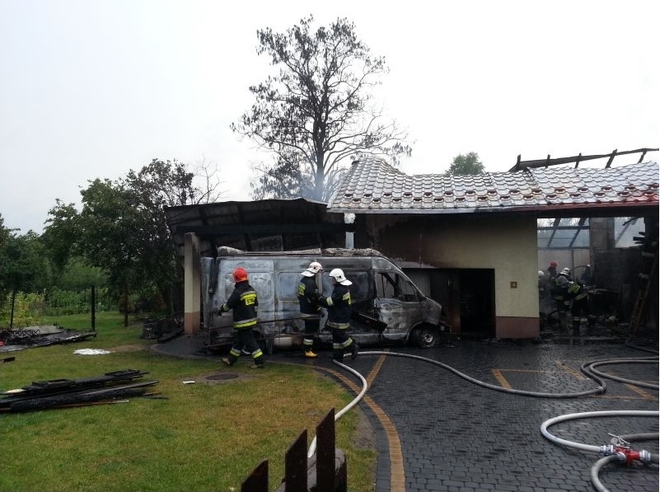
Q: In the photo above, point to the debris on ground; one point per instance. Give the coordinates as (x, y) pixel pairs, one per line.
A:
(40, 336)
(111, 387)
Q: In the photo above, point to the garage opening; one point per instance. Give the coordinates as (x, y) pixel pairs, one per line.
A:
(467, 297)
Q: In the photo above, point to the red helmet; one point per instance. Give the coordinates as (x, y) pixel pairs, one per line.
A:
(240, 274)
(553, 263)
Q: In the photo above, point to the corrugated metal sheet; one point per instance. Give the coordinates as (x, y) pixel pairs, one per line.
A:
(264, 225)
(373, 186)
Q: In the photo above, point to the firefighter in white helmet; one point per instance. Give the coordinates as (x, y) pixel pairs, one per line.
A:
(339, 306)
(310, 310)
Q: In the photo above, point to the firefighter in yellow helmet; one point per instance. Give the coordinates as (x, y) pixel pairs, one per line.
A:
(339, 306)
(243, 301)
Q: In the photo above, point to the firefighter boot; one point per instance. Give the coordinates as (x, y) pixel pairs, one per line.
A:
(257, 362)
(354, 351)
(309, 353)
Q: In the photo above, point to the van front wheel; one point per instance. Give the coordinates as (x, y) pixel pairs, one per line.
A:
(426, 336)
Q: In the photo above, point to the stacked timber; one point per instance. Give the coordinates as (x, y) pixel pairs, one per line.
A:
(61, 393)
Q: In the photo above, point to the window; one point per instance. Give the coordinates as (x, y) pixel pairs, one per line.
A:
(360, 290)
(391, 285)
(563, 233)
(625, 229)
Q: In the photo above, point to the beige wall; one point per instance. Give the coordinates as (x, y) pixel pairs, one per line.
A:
(193, 285)
(507, 245)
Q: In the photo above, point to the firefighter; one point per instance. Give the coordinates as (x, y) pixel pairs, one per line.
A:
(243, 301)
(550, 278)
(580, 304)
(586, 278)
(562, 300)
(339, 306)
(310, 310)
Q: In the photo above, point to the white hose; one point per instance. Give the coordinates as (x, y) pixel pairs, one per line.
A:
(620, 379)
(571, 416)
(599, 390)
(356, 400)
(596, 468)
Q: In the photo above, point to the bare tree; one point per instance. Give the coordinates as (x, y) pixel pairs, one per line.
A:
(316, 115)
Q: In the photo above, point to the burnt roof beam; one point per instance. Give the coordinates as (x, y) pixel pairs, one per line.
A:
(569, 160)
(247, 229)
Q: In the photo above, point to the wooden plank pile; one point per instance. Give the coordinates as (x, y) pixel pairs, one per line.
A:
(111, 387)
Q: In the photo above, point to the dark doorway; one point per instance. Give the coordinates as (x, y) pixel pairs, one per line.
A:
(468, 299)
(477, 302)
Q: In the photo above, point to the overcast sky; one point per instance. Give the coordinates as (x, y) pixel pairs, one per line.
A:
(93, 88)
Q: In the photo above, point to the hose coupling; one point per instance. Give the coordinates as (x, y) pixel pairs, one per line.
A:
(607, 450)
(645, 456)
(626, 455)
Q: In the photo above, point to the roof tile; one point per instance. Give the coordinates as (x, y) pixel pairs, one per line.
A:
(373, 185)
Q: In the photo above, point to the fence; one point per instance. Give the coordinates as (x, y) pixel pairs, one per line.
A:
(323, 472)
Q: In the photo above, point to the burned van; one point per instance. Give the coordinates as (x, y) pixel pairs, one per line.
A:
(387, 306)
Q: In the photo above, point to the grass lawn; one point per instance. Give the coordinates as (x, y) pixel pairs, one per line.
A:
(197, 437)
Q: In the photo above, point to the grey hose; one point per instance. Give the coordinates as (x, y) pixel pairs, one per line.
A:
(643, 384)
(571, 416)
(596, 469)
(599, 390)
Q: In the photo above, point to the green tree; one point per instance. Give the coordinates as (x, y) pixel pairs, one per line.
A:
(24, 265)
(61, 237)
(317, 113)
(466, 164)
(4, 237)
(78, 275)
(122, 230)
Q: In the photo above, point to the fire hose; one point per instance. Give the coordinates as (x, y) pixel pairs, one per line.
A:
(619, 452)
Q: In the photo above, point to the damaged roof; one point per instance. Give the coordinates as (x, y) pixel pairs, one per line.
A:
(373, 186)
(256, 226)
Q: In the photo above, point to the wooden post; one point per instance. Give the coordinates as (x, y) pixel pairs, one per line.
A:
(295, 465)
(325, 452)
(257, 481)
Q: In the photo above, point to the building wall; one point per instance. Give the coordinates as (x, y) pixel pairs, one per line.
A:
(508, 245)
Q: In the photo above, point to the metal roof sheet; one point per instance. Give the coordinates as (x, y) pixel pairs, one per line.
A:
(373, 186)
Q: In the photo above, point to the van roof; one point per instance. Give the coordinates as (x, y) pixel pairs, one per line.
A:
(225, 251)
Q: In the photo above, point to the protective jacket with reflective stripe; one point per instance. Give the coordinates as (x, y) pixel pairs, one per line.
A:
(576, 291)
(308, 294)
(339, 306)
(243, 301)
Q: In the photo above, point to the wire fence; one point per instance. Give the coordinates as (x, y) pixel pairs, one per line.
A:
(20, 309)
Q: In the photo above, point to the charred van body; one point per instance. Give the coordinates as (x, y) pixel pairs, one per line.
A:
(388, 307)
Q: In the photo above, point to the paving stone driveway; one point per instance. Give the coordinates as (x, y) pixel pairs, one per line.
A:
(459, 436)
